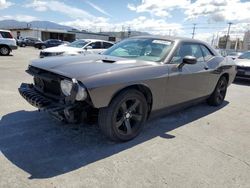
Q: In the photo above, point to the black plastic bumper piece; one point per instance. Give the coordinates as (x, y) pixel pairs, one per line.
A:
(62, 112)
(37, 100)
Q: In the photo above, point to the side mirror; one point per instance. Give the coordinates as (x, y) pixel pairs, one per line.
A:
(189, 60)
(88, 47)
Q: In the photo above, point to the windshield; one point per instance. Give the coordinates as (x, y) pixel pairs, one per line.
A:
(78, 44)
(144, 49)
(245, 56)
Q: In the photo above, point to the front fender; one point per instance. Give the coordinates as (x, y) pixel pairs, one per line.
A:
(102, 88)
(101, 97)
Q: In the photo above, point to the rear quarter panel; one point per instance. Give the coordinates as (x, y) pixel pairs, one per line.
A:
(220, 66)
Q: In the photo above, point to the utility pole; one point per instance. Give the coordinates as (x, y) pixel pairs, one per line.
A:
(169, 32)
(212, 42)
(193, 33)
(123, 32)
(228, 32)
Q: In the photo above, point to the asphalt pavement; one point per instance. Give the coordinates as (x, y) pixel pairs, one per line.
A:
(201, 146)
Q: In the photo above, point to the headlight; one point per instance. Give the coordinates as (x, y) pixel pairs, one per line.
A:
(66, 87)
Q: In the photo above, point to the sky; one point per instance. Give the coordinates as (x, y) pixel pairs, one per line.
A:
(163, 17)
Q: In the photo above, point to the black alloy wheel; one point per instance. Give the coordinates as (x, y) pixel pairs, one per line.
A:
(128, 116)
(124, 118)
(219, 93)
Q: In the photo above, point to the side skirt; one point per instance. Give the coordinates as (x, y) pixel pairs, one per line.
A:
(175, 108)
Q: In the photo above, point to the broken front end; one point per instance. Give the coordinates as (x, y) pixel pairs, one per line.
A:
(65, 99)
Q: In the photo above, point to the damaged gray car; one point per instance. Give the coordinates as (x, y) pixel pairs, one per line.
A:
(131, 81)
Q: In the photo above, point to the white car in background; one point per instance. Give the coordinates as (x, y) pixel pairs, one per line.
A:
(7, 42)
(243, 66)
(81, 46)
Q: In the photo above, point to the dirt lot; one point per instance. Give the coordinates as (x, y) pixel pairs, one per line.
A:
(200, 147)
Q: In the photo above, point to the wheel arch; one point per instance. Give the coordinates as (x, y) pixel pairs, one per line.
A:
(142, 88)
(5, 45)
(226, 75)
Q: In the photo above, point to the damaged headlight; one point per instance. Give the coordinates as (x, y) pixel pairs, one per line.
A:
(67, 86)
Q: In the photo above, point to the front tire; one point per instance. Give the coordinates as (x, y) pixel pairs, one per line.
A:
(4, 50)
(124, 118)
(218, 96)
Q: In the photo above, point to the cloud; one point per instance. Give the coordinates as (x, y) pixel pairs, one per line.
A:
(58, 6)
(219, 10)
(153, 26)
(161, 8)
(98, 8)
(5, 4)
(214, 10)
(90, 24)
(20, 17)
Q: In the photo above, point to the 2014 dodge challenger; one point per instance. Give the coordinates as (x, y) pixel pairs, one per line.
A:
(127, 83)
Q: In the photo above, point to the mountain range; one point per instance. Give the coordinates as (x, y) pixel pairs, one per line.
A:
(13, 24)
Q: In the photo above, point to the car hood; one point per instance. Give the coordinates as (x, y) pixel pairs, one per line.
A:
(62, 48)
(243, 62)
(81, 66)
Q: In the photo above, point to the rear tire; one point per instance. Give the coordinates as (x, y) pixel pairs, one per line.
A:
(4, 50)
(218, 96)
(125, 116)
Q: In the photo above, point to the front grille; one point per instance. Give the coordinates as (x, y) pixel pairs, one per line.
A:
(45, 54)
(243, 72)
(46, 82)
(49, 54)
(243, 68)
(51, 87)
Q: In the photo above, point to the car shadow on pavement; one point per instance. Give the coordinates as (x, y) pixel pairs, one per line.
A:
(45, 148)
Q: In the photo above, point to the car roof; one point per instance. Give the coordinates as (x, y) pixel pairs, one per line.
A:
(5, 30)
(171, 38)
(95, 40)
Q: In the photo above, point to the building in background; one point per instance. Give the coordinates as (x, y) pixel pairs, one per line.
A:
(64, 35)
(43, 34)
(89, 35)
(222, 42)
(230, 43)
(246, 41)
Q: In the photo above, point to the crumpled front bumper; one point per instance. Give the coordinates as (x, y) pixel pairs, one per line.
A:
(61, 111)
(37, 100)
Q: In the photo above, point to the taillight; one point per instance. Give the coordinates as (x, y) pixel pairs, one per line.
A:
(11, 36)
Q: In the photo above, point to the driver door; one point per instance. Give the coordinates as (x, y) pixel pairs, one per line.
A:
(186, 82)
(96, 48)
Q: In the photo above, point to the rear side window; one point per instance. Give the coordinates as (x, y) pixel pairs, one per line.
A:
(206, 53)
(107, 45)
(188, 49)
(6, 35)
(96, 45)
